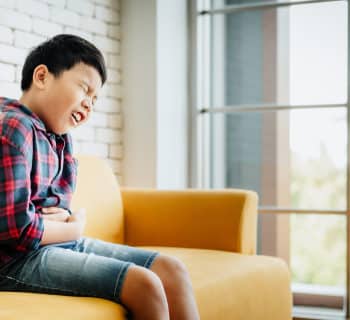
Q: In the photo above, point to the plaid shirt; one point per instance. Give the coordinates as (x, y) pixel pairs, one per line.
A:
(37, 170)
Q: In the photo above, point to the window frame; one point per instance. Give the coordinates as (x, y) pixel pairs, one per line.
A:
(199, 152)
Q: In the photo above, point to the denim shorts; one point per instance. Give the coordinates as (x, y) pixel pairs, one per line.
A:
(85, 267)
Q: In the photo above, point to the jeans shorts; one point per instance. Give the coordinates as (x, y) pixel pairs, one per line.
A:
(85, 267)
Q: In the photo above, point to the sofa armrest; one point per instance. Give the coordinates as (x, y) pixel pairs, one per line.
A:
(220, 219)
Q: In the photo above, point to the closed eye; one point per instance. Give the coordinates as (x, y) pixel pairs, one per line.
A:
(85, 88)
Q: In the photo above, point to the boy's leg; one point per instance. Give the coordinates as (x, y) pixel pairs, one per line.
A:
(57, 270)
(156, 306)
(171, 271)
(137, 277)
(138, 256)
(178, 288)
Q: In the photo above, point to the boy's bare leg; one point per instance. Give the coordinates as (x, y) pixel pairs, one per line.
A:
(143, 294)
(178, 288)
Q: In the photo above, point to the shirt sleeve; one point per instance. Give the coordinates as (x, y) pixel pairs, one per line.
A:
(21, 227)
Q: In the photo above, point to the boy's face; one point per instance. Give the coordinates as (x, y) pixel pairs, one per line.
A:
(68, 99)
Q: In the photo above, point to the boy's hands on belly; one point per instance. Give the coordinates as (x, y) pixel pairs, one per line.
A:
(78, 218)
(59, 226)
(55, 213)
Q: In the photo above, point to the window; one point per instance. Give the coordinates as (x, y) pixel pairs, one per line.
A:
(270, 114)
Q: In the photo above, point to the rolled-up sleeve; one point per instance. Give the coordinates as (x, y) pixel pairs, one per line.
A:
(21, 227)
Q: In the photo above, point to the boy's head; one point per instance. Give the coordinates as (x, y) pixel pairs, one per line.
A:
(61, 79)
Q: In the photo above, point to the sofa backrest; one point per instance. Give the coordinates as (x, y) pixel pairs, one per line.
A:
(98, 191)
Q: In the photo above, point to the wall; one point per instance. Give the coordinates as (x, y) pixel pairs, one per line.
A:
(155, 90)
(26, 23)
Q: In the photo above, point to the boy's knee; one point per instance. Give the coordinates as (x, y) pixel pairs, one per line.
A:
(171, 271)
(142, 285)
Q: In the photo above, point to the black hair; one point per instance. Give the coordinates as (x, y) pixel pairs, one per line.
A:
(61, 53)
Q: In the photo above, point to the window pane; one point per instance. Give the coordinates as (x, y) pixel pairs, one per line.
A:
(318, 250)
(318, 158)
(314, 247)
(290, 55)
(294, 159)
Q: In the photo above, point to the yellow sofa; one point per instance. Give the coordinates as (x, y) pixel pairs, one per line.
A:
(212, 231)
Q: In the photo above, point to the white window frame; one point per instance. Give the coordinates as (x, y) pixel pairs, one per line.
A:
(200, 146)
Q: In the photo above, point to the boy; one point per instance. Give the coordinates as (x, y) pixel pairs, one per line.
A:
(41, 244)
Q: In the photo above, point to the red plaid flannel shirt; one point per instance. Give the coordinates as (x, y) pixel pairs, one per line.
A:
(37, 170)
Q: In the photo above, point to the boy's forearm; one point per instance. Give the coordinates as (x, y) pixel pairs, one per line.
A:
(56, 231)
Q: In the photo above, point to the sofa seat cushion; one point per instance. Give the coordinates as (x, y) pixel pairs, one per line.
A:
(235, 286)
(227, 286)
(34, 306)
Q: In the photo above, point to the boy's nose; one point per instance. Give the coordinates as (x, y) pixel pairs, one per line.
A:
(87, 103)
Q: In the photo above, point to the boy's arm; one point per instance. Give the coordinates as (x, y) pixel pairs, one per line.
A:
(21, 228)
(57, 231)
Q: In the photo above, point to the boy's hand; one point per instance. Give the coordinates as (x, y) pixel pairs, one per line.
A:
(79, 218)
(55, 213)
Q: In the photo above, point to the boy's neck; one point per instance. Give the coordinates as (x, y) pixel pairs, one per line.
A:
(26, 100)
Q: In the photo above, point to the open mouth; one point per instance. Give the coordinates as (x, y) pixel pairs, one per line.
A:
(76, 117)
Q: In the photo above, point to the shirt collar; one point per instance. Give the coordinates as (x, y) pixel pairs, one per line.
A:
(38, 123)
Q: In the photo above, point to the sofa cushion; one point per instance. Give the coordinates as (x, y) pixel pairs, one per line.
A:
(234, 286)
(227, 286)
(98, 191)
(34, 306)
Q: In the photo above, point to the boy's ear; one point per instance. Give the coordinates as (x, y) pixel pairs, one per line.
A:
(40, 76)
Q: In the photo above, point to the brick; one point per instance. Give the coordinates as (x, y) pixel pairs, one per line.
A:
(13, 19)
(11, 54)
(115, 151)
(7, 72)
(114, 76)
(46, 28)
(93, 25)
(18, 74)
(115, 121)
(114, 91)
(113, 4)
(80, 33)
(10, 89)
(84, 133)
(56, 3)
(106, 14)
(9, 4)
(114, 61)
(27, 40)
(65, 17)
(114, 31)
(108, 135)
(6, 35)
(33, 8)
(98, 119)
(92, 148)
(104, 2)
(82, 7)
(107, 105)
(107, 44)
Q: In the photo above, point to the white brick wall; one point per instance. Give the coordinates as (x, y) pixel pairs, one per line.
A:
(26, 23)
